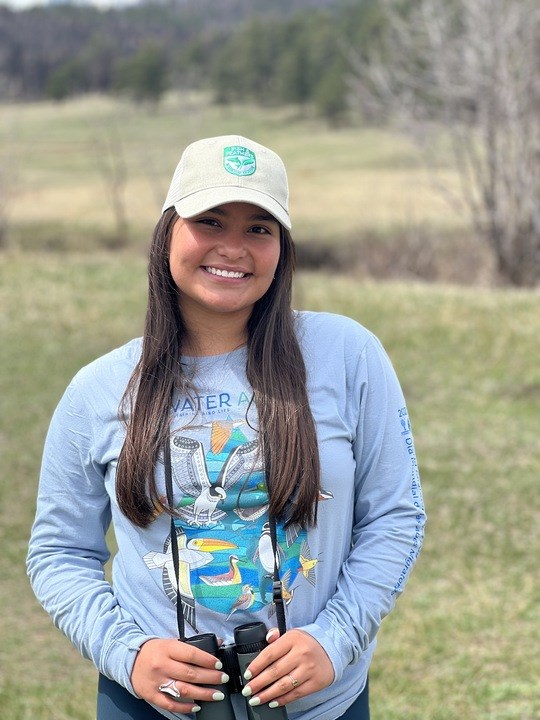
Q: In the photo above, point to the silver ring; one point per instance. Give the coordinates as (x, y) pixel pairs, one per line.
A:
(169, 688)
(294, 681)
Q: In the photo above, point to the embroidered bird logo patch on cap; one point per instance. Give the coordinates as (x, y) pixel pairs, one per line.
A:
(239, 160)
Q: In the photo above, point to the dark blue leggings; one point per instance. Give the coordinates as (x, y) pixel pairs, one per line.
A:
(116, 703)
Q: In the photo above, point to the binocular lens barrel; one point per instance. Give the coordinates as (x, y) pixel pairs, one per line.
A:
(250, 639)
(221, 709)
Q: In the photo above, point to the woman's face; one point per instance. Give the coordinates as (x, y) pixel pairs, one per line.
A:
(223, 261)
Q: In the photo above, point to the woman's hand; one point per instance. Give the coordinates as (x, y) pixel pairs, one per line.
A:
(183, 667)
(291, 667)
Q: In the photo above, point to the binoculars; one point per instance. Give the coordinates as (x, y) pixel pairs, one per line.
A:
(249, 640)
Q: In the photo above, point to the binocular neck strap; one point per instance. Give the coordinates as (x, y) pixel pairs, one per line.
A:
(277, 593)
(174, 544)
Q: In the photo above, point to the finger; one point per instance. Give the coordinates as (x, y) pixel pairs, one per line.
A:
(193, 674)
(272, 635)
(272, 676)
(283, 691)
(169, 697)
(174, 706)
(279, 648)
(183, 693)
(184, 652)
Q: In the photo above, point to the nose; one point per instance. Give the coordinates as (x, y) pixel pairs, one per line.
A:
(231, 245)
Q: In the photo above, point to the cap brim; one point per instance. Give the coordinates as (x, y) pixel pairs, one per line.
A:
(212, 197)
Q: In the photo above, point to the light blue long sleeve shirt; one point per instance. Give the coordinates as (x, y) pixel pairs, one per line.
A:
(341, 577)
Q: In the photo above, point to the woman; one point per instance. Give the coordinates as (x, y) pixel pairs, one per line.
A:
(278, 443)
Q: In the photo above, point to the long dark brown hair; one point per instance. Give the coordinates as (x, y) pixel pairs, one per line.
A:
(275, 370)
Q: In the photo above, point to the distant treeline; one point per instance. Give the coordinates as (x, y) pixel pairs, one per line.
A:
(284, 51)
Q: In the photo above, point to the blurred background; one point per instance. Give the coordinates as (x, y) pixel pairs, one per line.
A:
(411, 134)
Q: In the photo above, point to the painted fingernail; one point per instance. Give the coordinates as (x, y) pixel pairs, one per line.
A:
(273, 704)
(246, 692)
(255, 701)
(218, 665)
(270, 634)
(195, 708)
(224, 678)
(218, 696)
(248, 675)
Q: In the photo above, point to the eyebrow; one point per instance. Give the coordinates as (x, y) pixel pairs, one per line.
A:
(261, 216)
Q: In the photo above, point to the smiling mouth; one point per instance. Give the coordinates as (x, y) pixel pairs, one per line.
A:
(225, 273)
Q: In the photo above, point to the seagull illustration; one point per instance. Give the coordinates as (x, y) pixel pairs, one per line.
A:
(243, 601)
(231, 577)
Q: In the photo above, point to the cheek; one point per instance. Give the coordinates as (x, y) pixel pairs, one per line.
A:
(272, 259)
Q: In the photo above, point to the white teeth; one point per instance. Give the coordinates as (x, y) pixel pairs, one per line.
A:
(225, 273)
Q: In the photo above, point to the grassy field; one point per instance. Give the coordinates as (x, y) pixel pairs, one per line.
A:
(344, 183)
(463, 641)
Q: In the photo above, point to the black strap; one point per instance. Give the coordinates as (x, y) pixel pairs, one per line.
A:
(174, 542)
(277, 588)
(277, 591)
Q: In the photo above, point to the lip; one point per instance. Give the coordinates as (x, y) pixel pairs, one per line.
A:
(226, 273)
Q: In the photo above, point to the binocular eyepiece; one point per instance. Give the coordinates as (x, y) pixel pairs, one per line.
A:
(249, 640)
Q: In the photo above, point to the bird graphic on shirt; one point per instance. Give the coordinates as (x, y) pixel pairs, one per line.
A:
(191, 555)
(307, 563)
(190, 473)
(231, 577)
(243, 601)
(287, 592)
(264, 551)
(221, 432)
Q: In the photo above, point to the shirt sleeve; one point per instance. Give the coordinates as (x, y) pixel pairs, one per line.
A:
(389, 514)
(68, 551)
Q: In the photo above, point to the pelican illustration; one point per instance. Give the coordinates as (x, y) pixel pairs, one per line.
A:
(231, 577)
(191, 555)
(243, 601)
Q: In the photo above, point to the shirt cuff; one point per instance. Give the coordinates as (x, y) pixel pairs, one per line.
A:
(336, 644)
(120, 657)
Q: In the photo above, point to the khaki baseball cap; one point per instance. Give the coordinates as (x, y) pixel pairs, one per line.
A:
(226, 169)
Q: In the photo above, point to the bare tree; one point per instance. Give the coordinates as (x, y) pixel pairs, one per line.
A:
(470, 68)
(3, 207)
(111, 162)
(8, 179)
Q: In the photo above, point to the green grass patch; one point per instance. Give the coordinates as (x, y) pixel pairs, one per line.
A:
(463, 641)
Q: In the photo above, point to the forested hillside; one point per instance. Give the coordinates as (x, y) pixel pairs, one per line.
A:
(458, 77)
(283, 51)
